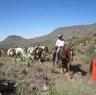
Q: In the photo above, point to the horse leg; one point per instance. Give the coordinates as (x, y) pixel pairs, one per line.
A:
(54, 56)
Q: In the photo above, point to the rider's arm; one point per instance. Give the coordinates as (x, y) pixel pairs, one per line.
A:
(57, 43)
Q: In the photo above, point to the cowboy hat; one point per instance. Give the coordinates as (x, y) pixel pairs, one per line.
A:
(60, 36)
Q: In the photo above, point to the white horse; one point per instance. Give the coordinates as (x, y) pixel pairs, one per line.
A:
(15, 51)
(19, 51)
(31, 50)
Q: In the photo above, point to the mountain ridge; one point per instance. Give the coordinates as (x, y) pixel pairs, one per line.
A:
(77, 31)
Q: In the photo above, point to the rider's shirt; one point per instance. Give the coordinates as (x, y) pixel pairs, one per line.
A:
(59, 43)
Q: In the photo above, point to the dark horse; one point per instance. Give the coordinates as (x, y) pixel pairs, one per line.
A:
(41, 53)
(65, 58)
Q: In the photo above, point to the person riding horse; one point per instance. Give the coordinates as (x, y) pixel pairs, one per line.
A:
(63, 55)
(59, 44)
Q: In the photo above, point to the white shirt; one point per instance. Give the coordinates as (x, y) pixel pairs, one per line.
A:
(59, 43)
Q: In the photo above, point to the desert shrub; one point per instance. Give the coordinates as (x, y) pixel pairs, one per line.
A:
(87, 55)
(49, 57)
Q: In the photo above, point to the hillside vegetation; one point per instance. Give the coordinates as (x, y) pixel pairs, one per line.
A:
(75, 33)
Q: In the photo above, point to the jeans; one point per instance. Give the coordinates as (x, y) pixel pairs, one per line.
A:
(57, 55)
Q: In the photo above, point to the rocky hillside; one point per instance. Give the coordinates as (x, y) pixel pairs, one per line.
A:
(77, 32)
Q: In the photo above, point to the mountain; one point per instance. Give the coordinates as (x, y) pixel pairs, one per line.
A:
(78, 32)
(13, 41)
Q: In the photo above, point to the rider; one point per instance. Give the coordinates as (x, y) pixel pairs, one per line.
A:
(59, 44)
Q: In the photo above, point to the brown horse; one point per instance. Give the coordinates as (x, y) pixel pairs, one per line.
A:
(65, 58)
(41, 53)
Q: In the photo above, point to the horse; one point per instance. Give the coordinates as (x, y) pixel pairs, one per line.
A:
(65, 58)
(32, 51)
(18, 52)
(41, 52)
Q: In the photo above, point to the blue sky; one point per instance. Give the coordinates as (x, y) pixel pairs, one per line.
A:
(31, 18)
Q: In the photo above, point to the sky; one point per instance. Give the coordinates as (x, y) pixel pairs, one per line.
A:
(33, 18)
